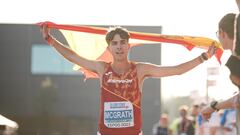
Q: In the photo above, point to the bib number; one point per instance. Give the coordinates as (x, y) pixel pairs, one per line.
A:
(118, 114)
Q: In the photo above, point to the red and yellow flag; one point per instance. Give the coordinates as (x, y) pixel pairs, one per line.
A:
(89, 42)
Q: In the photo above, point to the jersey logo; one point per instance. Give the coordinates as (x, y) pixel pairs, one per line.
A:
(119, 81)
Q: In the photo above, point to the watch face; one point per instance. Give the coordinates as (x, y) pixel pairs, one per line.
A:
(213, 104)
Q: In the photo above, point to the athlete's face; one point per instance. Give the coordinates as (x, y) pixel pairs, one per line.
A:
(119, 48)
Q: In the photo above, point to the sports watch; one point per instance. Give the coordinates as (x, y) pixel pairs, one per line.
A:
(213, 105)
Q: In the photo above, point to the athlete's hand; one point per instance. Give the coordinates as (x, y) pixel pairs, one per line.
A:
(45, 31)
(211, 50)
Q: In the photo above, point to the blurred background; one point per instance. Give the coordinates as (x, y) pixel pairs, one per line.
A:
(44, 96)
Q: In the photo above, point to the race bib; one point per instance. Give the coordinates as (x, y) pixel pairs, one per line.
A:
(118, 114)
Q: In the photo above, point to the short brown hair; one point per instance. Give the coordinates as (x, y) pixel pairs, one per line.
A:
(227, 24)
(124, 34)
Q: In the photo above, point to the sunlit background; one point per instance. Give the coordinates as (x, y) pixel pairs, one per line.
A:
(178, 17)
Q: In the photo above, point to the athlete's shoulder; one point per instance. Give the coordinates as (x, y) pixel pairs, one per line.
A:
(143, 68)
(143, 64)
(102, 66)
(103, 63)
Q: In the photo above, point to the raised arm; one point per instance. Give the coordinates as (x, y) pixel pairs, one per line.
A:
(69, 54)
(151, 70)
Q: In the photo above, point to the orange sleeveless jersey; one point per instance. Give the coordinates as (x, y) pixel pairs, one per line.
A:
(120, 108)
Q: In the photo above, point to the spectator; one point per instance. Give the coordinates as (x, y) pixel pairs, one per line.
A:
(184, 124)
(161, 127)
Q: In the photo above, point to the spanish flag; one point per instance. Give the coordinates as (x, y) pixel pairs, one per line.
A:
(89, 42)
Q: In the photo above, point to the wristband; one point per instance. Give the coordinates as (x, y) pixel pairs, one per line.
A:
(213, 105)
(204, 57)
(201, 59)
